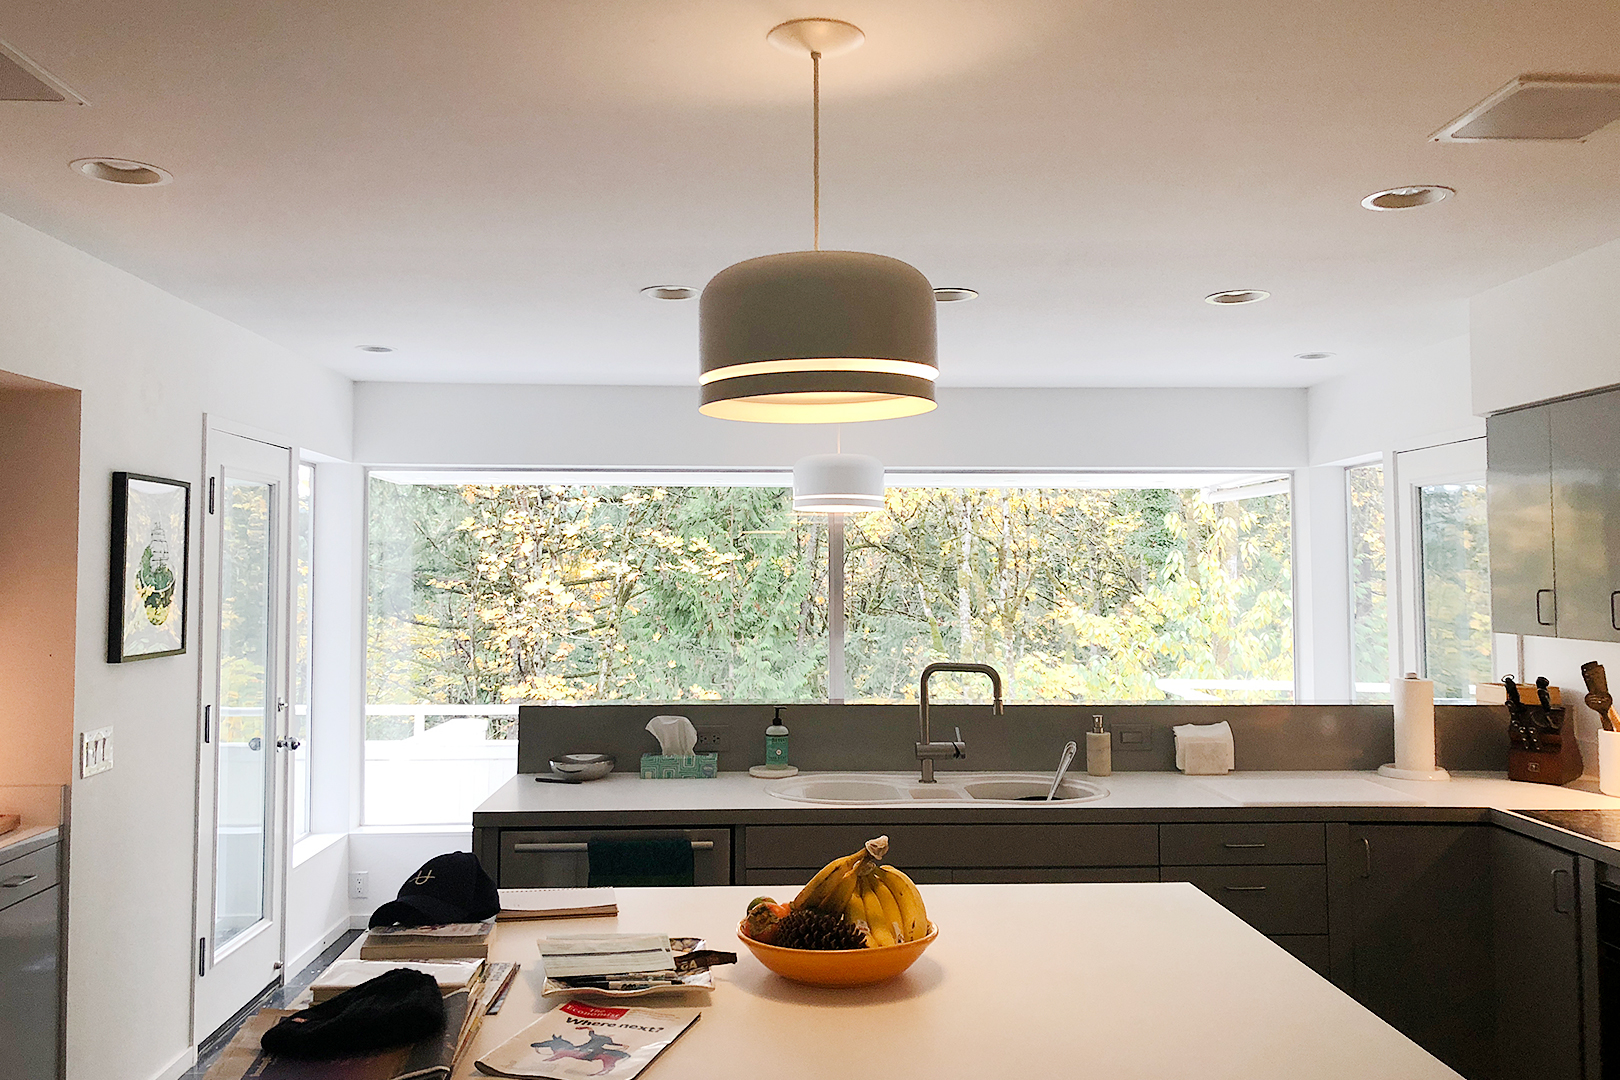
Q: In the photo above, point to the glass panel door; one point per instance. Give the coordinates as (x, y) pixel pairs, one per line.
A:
(246, 707)
(242, 727)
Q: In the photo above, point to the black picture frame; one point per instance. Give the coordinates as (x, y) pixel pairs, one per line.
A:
(145, 513)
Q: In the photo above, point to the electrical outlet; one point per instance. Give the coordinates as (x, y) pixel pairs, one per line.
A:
(1129, 738)
(95, 751)
(359, 884)
(712, 740)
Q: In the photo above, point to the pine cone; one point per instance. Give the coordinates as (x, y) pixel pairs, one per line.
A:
(808, 928)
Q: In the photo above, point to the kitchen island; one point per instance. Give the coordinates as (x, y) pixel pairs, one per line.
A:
(1119, 980)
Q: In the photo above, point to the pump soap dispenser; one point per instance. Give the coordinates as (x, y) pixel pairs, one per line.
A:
(1099, 750)
(776, 752)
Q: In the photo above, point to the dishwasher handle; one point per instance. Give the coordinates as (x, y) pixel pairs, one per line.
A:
(581, 846)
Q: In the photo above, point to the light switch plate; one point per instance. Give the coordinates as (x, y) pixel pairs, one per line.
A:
(95, 751)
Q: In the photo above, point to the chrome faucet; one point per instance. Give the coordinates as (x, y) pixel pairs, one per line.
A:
(927, 749)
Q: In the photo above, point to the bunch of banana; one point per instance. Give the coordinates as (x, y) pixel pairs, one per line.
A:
(879, 899)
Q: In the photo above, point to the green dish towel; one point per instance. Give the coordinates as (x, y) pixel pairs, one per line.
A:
(640, 863)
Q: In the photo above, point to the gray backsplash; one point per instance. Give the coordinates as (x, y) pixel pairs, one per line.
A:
(1028, 737)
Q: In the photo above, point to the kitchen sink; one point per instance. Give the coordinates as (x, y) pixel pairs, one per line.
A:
(960, 788)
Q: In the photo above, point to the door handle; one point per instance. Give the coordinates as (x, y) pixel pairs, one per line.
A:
(17, 881)
(1242, 847)
(1563, 892)
(1245, 888)
(288, 744)
(554, 849)
(1542, 620)
(1614, 609)
(1366, 857)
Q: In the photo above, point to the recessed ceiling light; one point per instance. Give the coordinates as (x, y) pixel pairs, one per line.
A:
(1236, 296)
(1312, 355)
(375, 348)
(1405, 198)
(669, 292)
(952, 295)
(121, 171)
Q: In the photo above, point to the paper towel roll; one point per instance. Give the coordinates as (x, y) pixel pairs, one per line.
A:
(1414, 724)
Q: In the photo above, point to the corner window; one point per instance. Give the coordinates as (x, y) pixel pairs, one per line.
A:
(1369, 587)
(303, 577)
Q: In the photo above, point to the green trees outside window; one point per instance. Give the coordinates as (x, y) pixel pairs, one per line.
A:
(533, 592)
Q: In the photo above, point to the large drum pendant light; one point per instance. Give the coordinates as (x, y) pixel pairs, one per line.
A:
(817, 337)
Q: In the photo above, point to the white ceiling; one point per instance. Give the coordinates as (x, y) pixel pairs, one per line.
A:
(486, 185)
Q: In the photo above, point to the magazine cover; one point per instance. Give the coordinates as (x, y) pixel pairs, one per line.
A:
(577, 1040)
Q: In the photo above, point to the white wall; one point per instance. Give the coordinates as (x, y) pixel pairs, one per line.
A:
(390, 855)
(428, 424)
(149, 367)
(1548, 334)
(1397, 403)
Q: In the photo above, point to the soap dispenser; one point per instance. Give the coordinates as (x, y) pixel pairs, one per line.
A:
(1099, 750)
(776, 751)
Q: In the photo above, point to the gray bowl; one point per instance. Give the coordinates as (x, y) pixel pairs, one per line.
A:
(583, 766)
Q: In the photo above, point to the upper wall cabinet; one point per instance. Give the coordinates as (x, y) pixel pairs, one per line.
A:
(1554, 490)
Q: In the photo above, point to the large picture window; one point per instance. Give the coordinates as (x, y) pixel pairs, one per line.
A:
(540, 588)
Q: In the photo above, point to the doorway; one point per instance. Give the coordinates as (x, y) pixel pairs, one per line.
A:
(243, 736)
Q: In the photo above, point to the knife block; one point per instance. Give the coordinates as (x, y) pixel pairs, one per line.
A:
(1548, 756)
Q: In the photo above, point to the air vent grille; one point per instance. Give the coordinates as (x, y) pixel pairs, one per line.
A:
(23, 80)
(1540, 108)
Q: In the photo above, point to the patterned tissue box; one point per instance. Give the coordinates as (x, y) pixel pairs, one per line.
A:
(670, 767)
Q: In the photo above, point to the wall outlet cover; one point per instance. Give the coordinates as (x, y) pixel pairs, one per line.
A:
(359, 885)
(1129, 737)
(95, 751)
(712, 740)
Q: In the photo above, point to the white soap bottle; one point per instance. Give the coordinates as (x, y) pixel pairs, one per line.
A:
(1099, 750)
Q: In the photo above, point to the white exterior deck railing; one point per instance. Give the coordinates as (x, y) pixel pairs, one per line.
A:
(436, 775)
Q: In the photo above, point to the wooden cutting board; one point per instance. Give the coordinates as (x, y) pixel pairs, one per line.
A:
(8, 822)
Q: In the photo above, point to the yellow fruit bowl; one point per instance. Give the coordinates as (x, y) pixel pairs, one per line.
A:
(838, 967)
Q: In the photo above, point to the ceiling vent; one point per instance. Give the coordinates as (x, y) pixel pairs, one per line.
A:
(23, 80)
(1539, 108)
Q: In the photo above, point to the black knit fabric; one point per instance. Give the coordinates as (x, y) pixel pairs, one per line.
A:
(396, 1008)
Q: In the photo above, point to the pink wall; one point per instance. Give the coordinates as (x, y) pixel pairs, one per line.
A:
(39, 551)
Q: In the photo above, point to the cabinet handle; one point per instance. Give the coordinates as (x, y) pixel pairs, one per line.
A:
(1614, 609)
(1540, 619)
(1366, 857)
(553, 849)
(1245, 888)
(1242, 847)
(17, 881)
(1563, 892)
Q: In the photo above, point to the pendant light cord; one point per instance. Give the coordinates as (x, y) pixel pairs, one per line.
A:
(815, 140)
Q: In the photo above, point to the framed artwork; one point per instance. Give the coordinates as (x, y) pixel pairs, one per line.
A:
(151, 538)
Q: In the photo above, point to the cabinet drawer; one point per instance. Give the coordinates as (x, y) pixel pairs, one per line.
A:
(789, 881)
(557, 858)
(1061, 874)
(1237, 844)
(958, 846)
(1272, 899)
(1309, 949)
(26, 875)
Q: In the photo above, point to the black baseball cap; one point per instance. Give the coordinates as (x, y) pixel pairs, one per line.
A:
(449, 888)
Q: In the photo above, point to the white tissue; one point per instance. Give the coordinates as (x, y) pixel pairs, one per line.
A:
(1205, 749)
(675, 734)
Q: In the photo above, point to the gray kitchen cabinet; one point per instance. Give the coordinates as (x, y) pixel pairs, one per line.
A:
(957, 847)
(559, 858)
(1539, 972)
(1518, 470)
(1586, 516)
(1414, 911)
(30, 962)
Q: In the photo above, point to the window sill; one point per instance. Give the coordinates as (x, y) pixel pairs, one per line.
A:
(312, 845)
(398, 830)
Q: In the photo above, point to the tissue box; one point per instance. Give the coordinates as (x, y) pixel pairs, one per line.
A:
(1204, 749)
(670, 767)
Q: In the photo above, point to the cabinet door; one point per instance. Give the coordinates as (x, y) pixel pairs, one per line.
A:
(1586, 516)
(29, 1001)
(1518, 453)
(1538, 1011)
(1419, 901)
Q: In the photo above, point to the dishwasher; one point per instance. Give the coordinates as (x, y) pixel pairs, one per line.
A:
(1608, 927)
(558, 858)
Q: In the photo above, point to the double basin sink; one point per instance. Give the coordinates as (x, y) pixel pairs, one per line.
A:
(866, 788)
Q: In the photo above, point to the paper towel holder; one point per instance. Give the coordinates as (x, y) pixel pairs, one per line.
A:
(1419, 763)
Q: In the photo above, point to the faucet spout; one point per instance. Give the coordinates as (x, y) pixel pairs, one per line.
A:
(927, 749)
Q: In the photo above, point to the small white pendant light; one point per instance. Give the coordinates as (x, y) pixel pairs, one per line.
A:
(837, 484)
(817, 337)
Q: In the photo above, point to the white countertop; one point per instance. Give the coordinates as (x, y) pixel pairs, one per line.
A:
(737, 791)
(1121, 981)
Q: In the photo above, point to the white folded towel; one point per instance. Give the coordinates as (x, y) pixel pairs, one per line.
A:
(1205, 749)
